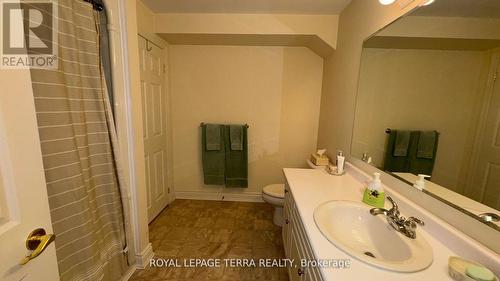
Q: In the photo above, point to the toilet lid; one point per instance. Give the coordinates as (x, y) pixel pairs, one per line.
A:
(275, 190)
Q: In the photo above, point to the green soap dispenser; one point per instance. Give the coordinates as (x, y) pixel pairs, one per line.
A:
(374, 193)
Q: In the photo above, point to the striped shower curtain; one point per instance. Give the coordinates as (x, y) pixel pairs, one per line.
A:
(79, 152)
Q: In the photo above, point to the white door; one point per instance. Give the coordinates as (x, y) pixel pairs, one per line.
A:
(154, 115)
(485, 186)
(23, 194)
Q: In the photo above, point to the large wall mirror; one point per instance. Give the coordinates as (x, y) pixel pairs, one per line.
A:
(428, 103)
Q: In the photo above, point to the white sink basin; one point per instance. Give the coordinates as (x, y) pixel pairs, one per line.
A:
(350, 226)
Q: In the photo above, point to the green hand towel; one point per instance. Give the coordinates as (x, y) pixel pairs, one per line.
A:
(236, 160)
(213, 160)
(236, 137)
(213, 136)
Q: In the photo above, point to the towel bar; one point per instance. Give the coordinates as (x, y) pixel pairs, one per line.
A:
(202, 123)
(388, 131)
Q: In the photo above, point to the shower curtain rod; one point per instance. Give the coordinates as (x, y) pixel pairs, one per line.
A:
(98, 5)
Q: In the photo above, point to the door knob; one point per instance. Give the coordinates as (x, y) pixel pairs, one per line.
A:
(37, 242)
(300, 272)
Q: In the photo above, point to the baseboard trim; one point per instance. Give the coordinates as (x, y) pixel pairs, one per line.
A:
(129, 273)
(219, 196)
(142, 259)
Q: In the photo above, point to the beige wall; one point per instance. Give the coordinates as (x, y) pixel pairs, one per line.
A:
(276, 90)
(421, 90)
(359, 20)
(145, 18)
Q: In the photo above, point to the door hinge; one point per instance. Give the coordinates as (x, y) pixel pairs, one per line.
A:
(495, 76)
(168, 190)
(164, 68)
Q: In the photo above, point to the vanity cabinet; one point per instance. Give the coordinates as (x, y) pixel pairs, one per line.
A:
(297, 246)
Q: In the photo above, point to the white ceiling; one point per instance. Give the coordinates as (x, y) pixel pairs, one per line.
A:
(461, 8)
(248, 6)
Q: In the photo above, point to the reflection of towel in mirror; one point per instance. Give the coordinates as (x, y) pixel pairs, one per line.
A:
(427, 141)
(402, 143)
(421, 153)
(392, 162)
(423, 150)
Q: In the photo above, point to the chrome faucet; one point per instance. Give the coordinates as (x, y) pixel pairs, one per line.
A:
(489, 217)
(364, 157)
(407, 226)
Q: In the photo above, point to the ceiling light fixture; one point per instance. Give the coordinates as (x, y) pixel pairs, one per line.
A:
(428, 2)
(387, 2)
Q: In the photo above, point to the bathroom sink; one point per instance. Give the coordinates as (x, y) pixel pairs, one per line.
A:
(350, 227)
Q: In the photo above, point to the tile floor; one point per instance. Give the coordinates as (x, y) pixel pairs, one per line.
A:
(190, 229)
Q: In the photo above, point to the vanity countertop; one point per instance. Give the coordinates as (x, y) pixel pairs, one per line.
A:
(310, 188)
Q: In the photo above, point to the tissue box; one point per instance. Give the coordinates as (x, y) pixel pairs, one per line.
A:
(319, 160)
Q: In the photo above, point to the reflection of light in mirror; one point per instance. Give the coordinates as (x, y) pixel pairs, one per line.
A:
(386, 2)
(428, 2)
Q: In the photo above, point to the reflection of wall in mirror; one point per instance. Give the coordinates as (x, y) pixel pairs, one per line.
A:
(444, 27)
(422, 90)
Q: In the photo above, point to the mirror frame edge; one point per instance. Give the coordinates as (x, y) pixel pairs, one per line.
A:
(449, 203)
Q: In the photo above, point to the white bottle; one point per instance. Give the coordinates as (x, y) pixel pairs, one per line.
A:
(340, 162)
(376, 184)
(420, 183)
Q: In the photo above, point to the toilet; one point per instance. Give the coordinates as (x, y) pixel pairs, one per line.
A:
(274, 194)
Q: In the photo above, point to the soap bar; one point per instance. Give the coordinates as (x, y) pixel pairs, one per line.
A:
(464, 270)
(479, 273)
